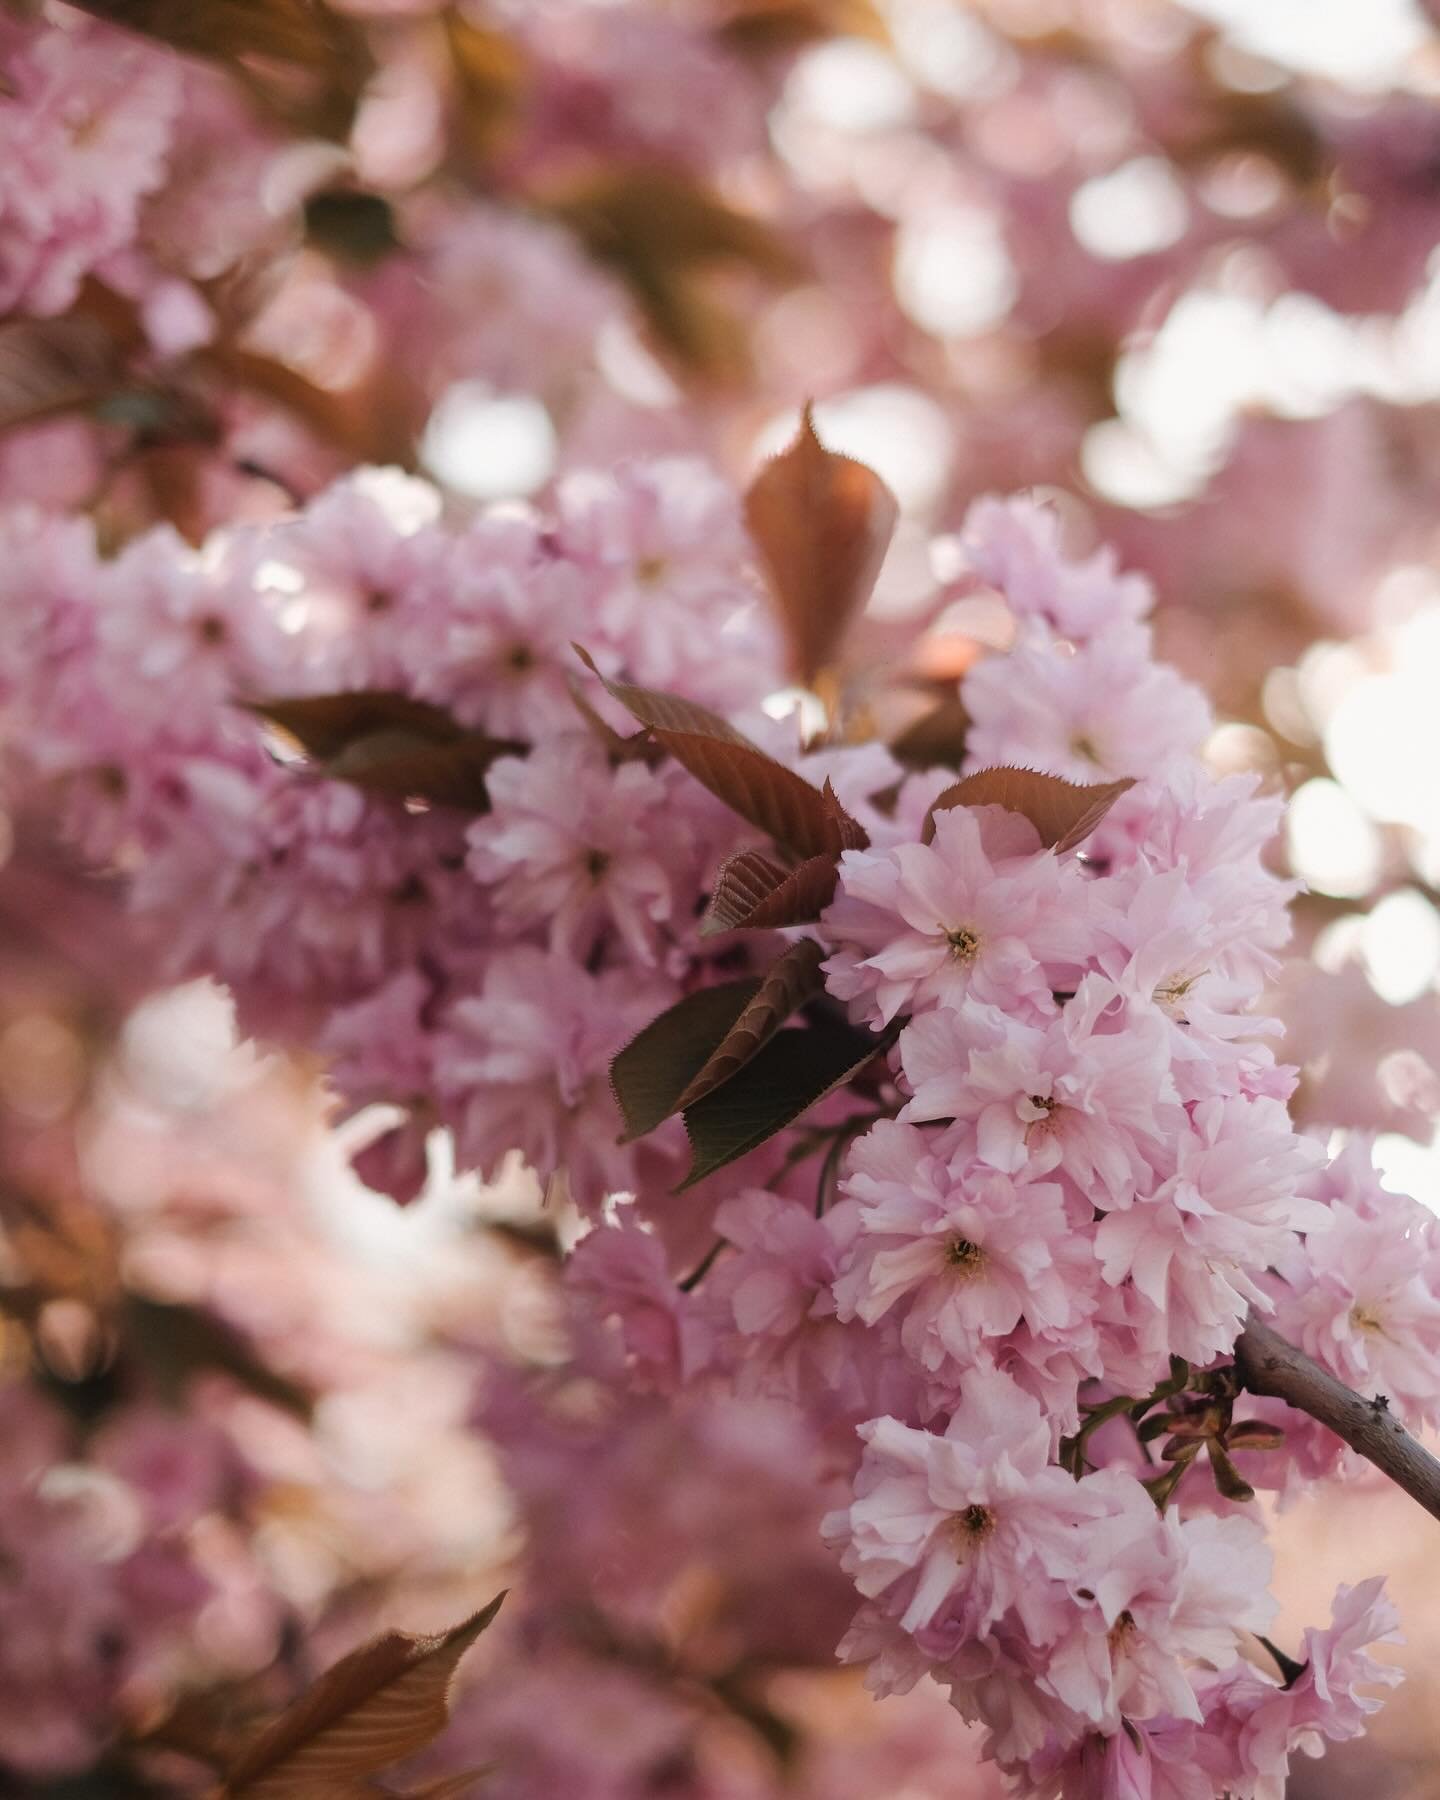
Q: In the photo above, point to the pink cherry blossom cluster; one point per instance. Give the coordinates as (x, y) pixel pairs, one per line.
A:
(1074, 1183)
(480, 973)
(961, 1333)
(122, 163)
(1091, 1173)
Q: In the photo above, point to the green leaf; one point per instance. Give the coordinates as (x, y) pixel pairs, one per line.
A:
(771, 797)
(754, 893)
(655, 1068)
(795, 1070)
(786, 984)
(1063, 812)
(822, 524)
(1229, 1482)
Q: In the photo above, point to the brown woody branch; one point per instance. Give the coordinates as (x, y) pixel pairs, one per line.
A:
(1267, 1364)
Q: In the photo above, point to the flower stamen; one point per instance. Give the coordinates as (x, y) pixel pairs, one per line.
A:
(964, 1257)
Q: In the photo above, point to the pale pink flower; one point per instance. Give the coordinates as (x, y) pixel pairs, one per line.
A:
(179, 1465)
(672, 599)
(85, 127)
(1158, 1596)
(1107, 710)
(524, 1065)
(381, 1046)
(621, 1271)
(773, 1289)
(961, 1522)
(1253, 1725)
(187, 644)
(366, 569)
(1015, 546)
(929, 924)
(964, 1252)
(498, 650)
(1195, 1247)
(582, 848)
(519, 303)
(637, 85)
(1146, 1759)
(1218, 833)
(1089, 1092)
(1362, 1293)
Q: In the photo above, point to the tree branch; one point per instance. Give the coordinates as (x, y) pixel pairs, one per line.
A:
(1267, 1364)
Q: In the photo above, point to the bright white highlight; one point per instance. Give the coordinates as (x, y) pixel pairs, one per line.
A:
(1364, 43)
(1383, 737)
(1133, 211)
(851, 86)
(1400, 941)
(1333, 846)
(953, 274)
(489, 446)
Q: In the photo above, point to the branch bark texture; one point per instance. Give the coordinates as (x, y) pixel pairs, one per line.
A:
(1267, 1364)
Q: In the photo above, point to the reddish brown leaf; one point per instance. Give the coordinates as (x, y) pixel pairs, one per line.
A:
(618, 747)
(662, 233)
(383, 1702)
(489, 72)
(322, 58)
(822, 523)
(53, 366)
(397, 768)
(447, 1787)
(773, 798)
(1254, 1434)
(1063, 812)
(773, 27)
(325, 725)
(936, 739)
(372, 422)
(175, 1343)
(752, 893)
(391, 745)
(786, 984)
(850, 833)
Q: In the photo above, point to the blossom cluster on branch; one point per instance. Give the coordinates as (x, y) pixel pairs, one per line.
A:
(354, 768)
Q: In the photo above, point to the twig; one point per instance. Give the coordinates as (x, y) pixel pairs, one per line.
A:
(698, 1274)
(1268, 1365)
